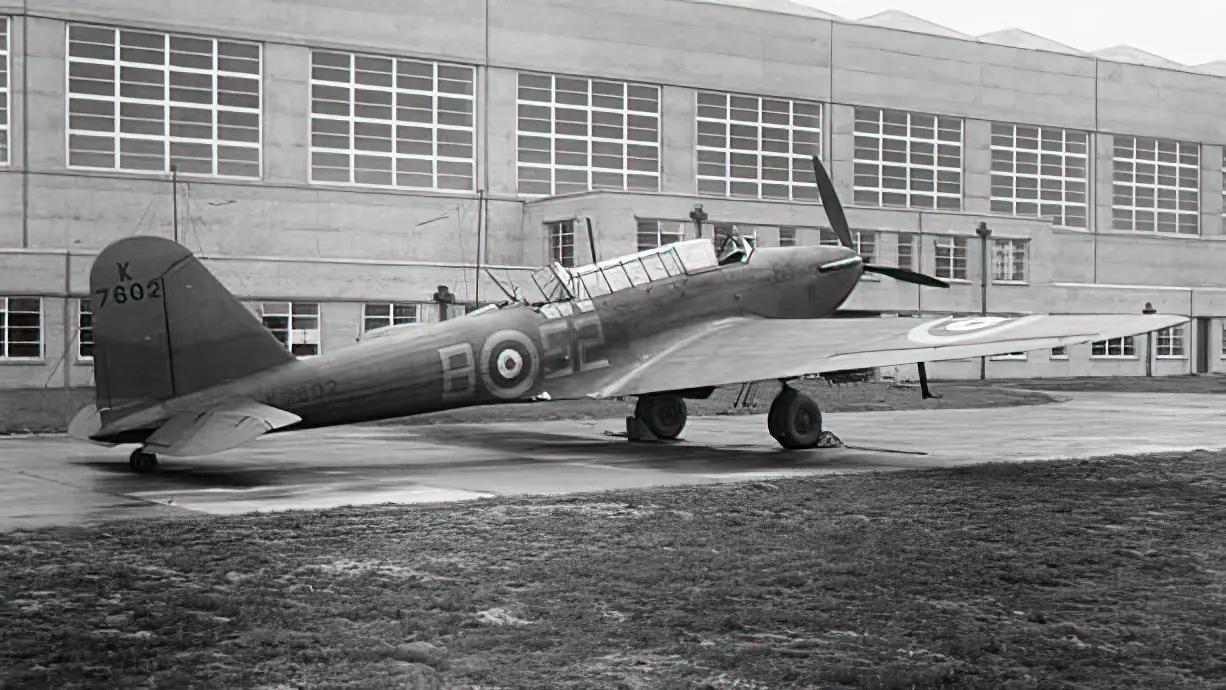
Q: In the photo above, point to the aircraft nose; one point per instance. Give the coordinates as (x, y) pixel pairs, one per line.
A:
(833, 258)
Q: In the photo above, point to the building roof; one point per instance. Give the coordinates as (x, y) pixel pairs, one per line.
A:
(780, 6)
(1012, 37)
(1017, 38)
(893, 19)
(1127, 53)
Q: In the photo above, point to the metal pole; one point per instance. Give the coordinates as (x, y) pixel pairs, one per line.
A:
(174, 181)
(984, 233)
(480, 224)
(1149, 342)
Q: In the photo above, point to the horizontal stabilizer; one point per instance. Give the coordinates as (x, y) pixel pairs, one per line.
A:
(218, 428)
(85, 424)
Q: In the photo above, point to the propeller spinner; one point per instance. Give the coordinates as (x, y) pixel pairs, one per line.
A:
(838, 221)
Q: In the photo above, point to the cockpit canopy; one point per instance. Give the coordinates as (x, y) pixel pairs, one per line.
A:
(559, 283)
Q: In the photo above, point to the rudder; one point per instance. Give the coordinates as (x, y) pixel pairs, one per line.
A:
(165, 327)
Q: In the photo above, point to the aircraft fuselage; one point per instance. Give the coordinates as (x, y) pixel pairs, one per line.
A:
(516, 353)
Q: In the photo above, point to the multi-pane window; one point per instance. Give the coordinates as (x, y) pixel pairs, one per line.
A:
(85, 330)
(759, 148)
(1059, 352)
(1169, 342)
(1040, 171)
(143, 101)
(382, 314)
(906, 250)
(1156, 185)
(295, 324)
(657, 233)
(1015, 356)
(907, 159)
(4, 91)
(562, 242)
(865, 242)
(1009, 260)
(577, 134)
(391, 122)
(787, 237)
(21, 328)
(950, 256)
(1224, 181)
(1116, 347)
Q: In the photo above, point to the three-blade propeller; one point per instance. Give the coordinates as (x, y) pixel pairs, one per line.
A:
(838, 221)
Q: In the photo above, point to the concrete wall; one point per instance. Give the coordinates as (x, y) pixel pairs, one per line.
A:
(283, 237)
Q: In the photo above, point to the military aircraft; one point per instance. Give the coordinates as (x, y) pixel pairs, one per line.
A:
(183, 368)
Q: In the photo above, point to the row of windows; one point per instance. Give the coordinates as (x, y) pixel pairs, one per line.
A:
(297, 326)
(1168, 344)
(142, 101)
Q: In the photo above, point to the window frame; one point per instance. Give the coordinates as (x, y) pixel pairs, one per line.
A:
(954, 244)
(1014, 243)
(1009, 357)
(557, 233)
(6, 127)
(862, 129)
(800, 173)
(590, 139)
(790, 235)
(1015, 152)
(859, 238)
(392, 319)
(263, 311)
(1063, 356)
(167, 139)
(910, 241)
(396, 93)
(1156, 187)
(660, 233)
(80, 330)
(1175, 336)
(5, 340)
(1124, 341)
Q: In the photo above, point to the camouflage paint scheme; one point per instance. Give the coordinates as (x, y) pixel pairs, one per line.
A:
(187, 344)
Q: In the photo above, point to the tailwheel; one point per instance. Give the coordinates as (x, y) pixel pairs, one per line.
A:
(142, 461)
(663, 415)
(795, 420)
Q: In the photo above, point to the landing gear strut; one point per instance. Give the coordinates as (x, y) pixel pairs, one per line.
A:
(142, 461)
(795, 420)
(657, 417)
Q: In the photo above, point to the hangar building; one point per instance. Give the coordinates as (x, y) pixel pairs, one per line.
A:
(335, 162)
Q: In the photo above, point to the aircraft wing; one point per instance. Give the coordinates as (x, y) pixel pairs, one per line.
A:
(218, 428)
(752, 349)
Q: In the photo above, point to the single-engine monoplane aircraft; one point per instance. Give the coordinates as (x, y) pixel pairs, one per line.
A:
(183, 368)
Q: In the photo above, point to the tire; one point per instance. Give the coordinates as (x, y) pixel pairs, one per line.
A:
(664, 415)
(795, 420)
(142, 462)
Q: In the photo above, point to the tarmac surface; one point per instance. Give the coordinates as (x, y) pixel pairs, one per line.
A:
(52, 480)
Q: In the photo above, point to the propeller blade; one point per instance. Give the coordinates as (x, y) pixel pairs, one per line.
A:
(830, 200)
(906, 275)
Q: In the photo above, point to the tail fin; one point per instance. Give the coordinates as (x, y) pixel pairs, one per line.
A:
(165, 327)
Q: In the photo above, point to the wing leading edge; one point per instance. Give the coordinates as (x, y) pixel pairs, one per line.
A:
(743, 350)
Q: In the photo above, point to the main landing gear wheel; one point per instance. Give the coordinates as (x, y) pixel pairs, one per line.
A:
(142, 461)
(795, 420)
(663, 415)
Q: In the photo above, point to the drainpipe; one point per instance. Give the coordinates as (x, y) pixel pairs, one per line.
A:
(984, 233)
(1149, 342)
(699, 217)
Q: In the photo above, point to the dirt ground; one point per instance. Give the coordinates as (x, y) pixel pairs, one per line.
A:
(1093, 574)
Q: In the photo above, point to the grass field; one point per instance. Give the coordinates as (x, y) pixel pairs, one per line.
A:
(1077, 574)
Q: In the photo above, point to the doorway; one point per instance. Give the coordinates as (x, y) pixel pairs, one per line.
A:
(1202, 344)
